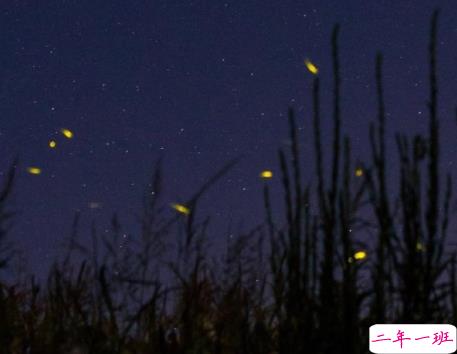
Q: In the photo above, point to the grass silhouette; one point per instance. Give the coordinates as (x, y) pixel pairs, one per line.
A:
(305, 295)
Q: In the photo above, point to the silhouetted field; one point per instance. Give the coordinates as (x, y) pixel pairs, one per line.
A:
(292, 288)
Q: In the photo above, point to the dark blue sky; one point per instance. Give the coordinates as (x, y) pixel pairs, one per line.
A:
(198, 82)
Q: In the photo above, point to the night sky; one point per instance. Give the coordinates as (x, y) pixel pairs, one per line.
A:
(198, 83)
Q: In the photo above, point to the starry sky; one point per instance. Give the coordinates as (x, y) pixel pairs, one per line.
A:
(197, 83)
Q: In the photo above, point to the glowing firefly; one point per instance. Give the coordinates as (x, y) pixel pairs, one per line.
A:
(267, 174)
(181, 208)
(67, 133)
(52, 144)
(360, 255)
(34, 170)
(311, 67)
(358, 172)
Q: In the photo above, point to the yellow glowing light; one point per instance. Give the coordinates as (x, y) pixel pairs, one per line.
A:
(67, 133)
(419, 246)
(181, 208)
(266, 174)
(34, 170)
(52, 144)
(311, 67)
(358, 172)
(360, 255)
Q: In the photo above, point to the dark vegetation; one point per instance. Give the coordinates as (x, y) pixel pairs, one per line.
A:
(292, 288)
